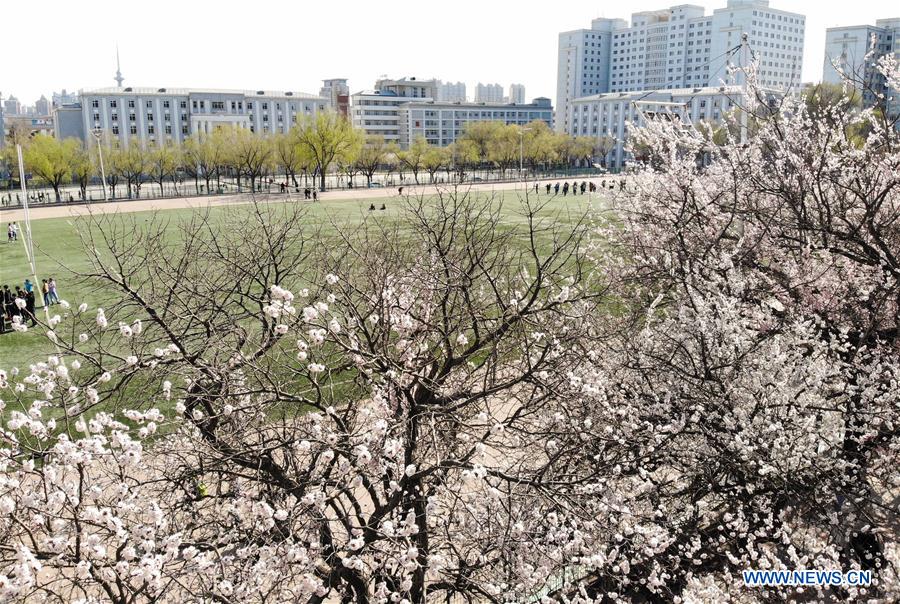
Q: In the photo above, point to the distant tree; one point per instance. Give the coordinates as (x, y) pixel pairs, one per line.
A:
(372, 155)
(504, 147)
(251, 154)
(413, 157)
(83, 169)
(464, 155)
(163, 162)
(288, 156)
(434, 159)
(324, 138)
(131, 164)
(51, 160)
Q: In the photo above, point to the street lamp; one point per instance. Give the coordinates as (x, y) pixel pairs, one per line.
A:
(97, 134)
(522, 131)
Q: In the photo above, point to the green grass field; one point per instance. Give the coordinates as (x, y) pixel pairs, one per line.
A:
(59, 252)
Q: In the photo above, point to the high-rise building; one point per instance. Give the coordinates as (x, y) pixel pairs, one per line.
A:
(516, 94)
(12, 106)
(158, 115)
(679, 47)
(376, 112)
(488, 93)
(845, 52)
(337, 90)
(42, 106)
(450, 92)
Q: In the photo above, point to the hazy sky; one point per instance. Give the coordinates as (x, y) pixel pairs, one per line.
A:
(294, 44)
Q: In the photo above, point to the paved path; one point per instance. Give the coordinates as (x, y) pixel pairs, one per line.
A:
(172, 203)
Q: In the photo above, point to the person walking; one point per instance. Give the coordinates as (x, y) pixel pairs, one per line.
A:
(565, 189)
(548, 188)
(556, 189)
(51, 288)
(15, 231)
(315, 195)
(9, 233)
(29, 286)
(45, 290)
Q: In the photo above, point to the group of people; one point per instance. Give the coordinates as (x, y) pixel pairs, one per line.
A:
(12, 232)
(21, 301)
(576, 187)
(372, 207)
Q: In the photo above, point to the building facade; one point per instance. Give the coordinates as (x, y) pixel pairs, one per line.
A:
(12, 106)
(338, 93)
(610, 114)
(680, 47)
(154, 116)
(440, 124)
(451, 92)
(488, 93)
(845, 52)
(517, 94)
(376, 112)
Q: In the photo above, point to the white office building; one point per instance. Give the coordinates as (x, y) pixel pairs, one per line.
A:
(440, 124)
(488, 93)
(158, 115)
(451, 92)
(610, 114)
(845, 52)
(679, 47)
(376, 112)
(516, 94)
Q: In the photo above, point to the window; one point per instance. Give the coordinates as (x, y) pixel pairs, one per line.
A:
(115, 130)
(149, 104)
(183, 104)
(112, 104)
(165, 104)
(218, 105)
(265, 106)
(95, 104)
(131, 104)
(184, 129)
(115, 117)
(133, 129)
(168, 129)
(151, 129)
(132, 118)
(149, 117)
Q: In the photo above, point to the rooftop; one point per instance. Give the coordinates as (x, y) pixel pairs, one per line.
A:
(149, 91)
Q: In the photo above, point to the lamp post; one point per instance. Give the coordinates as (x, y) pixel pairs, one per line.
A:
(97, 134)
(522, 131)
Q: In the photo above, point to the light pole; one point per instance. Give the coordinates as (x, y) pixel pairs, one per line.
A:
(522, 131)
(97, 134)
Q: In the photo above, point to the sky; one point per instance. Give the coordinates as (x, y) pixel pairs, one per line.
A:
(294, 44)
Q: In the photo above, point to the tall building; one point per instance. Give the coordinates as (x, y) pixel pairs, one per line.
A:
(158, 115)
(12, 106)
(338, 92)
(376, 112)
(679, 47)
(440, 124)
(516, 94)
(583, 65)
(845, 50)
(450, 92)
(42, 106)
(488, 93)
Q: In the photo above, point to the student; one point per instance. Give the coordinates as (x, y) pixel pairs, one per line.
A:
(548, 188)
(51, 287)
(315, 195)
(29, 307)
(556, 189)
(29, 286)
(45, 290)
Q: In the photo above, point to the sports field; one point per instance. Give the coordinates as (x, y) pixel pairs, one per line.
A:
(60, 252)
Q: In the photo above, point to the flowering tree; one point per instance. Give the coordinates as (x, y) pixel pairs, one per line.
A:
(635, 407)
(378, 425)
